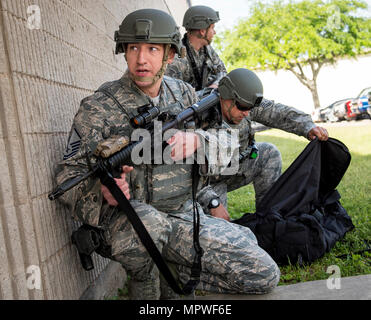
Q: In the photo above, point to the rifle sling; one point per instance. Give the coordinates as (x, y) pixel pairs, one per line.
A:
(199, 77)
(147, 241)
(145, 237)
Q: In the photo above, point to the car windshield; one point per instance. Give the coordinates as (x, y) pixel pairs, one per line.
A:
(365, 92)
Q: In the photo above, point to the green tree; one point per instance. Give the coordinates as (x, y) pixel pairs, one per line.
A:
(297, 36)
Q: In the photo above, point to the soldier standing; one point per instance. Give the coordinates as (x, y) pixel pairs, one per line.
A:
(202, 66)
(161, 194)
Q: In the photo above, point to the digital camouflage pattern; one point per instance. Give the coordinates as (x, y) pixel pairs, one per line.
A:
(264, 170)
(271, 114)
(181, 68)
(232, 263)
(100, 118)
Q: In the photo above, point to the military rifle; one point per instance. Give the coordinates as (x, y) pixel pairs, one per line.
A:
(205, 113)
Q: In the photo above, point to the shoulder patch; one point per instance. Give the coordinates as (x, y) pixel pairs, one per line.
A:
(73, 144)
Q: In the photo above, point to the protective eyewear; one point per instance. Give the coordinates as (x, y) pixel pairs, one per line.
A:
(243, 107)
(248, 106)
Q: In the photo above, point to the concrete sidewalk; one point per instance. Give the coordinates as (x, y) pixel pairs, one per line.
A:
(351, 288)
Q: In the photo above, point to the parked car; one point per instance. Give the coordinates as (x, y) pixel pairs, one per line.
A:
(315, 116)
(327, 114)
(354, 108)
(340, 109)
(351, 111)
(334, 112)
(362, 103)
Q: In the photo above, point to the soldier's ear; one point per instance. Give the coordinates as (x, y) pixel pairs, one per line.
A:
(171, 55)
(202, 32)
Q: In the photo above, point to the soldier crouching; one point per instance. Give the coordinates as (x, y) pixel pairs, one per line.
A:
(160, 194)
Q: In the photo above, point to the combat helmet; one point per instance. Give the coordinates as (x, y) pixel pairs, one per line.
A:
(200, 17)
(244, 87)
(149, 26)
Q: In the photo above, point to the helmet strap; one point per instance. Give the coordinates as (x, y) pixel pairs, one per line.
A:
(230, 107)
(161, 72)
(205, 36)
(199, 36)
(229, 111)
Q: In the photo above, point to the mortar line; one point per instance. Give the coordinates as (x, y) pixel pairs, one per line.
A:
(61, 84)
(65, 42)
(11, 167)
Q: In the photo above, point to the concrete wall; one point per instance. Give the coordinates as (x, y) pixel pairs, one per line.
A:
(45, 70)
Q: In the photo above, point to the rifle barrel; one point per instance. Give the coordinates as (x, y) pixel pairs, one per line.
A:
(69, 184)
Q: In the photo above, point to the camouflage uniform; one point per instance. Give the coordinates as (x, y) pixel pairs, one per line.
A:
(181, 68)
(161, 195)
(266, 168)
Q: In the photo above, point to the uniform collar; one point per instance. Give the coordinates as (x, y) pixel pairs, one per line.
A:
(140, 96)
(202, 50)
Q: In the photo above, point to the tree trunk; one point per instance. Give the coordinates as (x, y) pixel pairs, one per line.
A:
(311, 84)
(315, 96)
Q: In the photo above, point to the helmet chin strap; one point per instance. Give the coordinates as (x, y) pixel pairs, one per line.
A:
(229, 111)
(206, 39)
(159, 74)
(205, 36)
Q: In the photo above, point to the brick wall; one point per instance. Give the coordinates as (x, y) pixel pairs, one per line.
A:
(45, 70)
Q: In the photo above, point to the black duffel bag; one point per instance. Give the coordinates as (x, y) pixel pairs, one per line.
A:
(301, 217)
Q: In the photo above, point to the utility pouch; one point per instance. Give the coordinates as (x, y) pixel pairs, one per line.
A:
(87, 239)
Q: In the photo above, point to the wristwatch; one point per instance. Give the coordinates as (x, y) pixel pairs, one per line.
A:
(214, 203)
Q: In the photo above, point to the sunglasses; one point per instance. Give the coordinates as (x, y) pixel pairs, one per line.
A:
(249, 106)
(243, 107)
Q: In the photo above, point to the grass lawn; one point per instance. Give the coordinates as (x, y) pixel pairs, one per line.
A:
(355, 189)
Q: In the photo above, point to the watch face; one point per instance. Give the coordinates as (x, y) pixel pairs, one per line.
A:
(214, 203)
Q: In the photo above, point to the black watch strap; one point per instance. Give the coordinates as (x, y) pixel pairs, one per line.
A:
(214, 203)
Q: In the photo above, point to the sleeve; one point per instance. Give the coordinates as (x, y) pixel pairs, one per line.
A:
(90, 126)
(219, 151)
(179, 69)
(219, 147)
(190, 96)
(282, 117)
(204, 196)
(219, 68)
